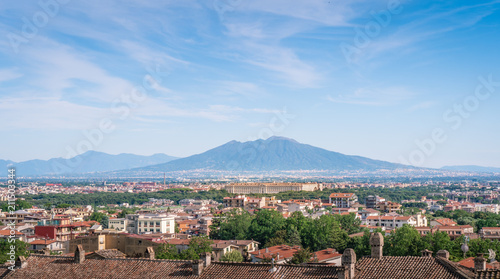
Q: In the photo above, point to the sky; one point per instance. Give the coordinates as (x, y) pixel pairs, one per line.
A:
(415, 82)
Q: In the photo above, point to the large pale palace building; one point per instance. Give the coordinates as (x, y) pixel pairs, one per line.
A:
(270, 188)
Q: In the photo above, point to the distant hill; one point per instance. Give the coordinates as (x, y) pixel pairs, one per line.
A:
(273, 154)
(472, 169)
(88, 162)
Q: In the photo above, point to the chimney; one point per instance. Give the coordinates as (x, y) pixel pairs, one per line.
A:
(207, 259)
(348, 264)
(267, 250)
(426, 253)
(21, 262)
(150, 253)
(197, 266)
(79, 254)
(377, 244)
(443, 254)
(479, 262)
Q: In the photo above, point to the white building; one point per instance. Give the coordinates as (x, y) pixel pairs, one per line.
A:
(150, 223)
(343, 200)
(391, 222)
(119, 224)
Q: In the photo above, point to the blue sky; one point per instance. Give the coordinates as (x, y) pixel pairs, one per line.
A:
(367, 78)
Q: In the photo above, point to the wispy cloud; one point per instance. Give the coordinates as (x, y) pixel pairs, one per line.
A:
(373, 96)
(9, 74)
(422, 106)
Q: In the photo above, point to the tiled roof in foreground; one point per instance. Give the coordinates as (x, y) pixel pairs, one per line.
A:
(410, 267)
(40, 266)
(230, 270)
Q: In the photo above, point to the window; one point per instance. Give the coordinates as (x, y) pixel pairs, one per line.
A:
(151, 223)
(157, 223)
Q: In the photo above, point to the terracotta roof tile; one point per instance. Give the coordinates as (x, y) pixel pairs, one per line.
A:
(410, 267)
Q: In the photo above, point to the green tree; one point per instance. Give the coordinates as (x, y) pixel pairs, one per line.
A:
(339, 239)
(232, 225)
(360, 244)
(233, 256)
(105, 221)
(265, 224)
(293, 236)
(405, 241)
(302, 256)
(124, 212)
(438, 241)
(21, 249)
(167, 251)
(97, 216)
(18, 205)
(349, 223)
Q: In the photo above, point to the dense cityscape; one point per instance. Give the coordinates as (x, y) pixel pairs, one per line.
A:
(280, 223)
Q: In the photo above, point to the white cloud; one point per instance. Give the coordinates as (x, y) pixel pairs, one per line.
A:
(9, 74)
(373, 96)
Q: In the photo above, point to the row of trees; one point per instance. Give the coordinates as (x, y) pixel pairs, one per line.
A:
(270, 228)
(332, 231)
(102, 198)
(407, 241)
(394, 194)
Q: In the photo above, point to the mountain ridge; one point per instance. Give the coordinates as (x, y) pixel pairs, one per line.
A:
(272, 154)
(88, 162)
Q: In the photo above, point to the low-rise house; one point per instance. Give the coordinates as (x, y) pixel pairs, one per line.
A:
(245, 247)
(280, 253)
(443, 222)
(492, 233)
(8, 234)
(52, 245)
(455, 231)
(328, 256)
(368, 212)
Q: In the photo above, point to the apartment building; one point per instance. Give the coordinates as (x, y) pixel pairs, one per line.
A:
(388, 206)
(150, 223)
(119, 224)
(343, 200)
(391, 222)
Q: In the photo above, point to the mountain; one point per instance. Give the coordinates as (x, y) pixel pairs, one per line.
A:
(90, 161)
(273, 154)
(472, 168)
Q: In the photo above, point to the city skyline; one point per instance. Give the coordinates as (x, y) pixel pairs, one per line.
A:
(384, 80)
